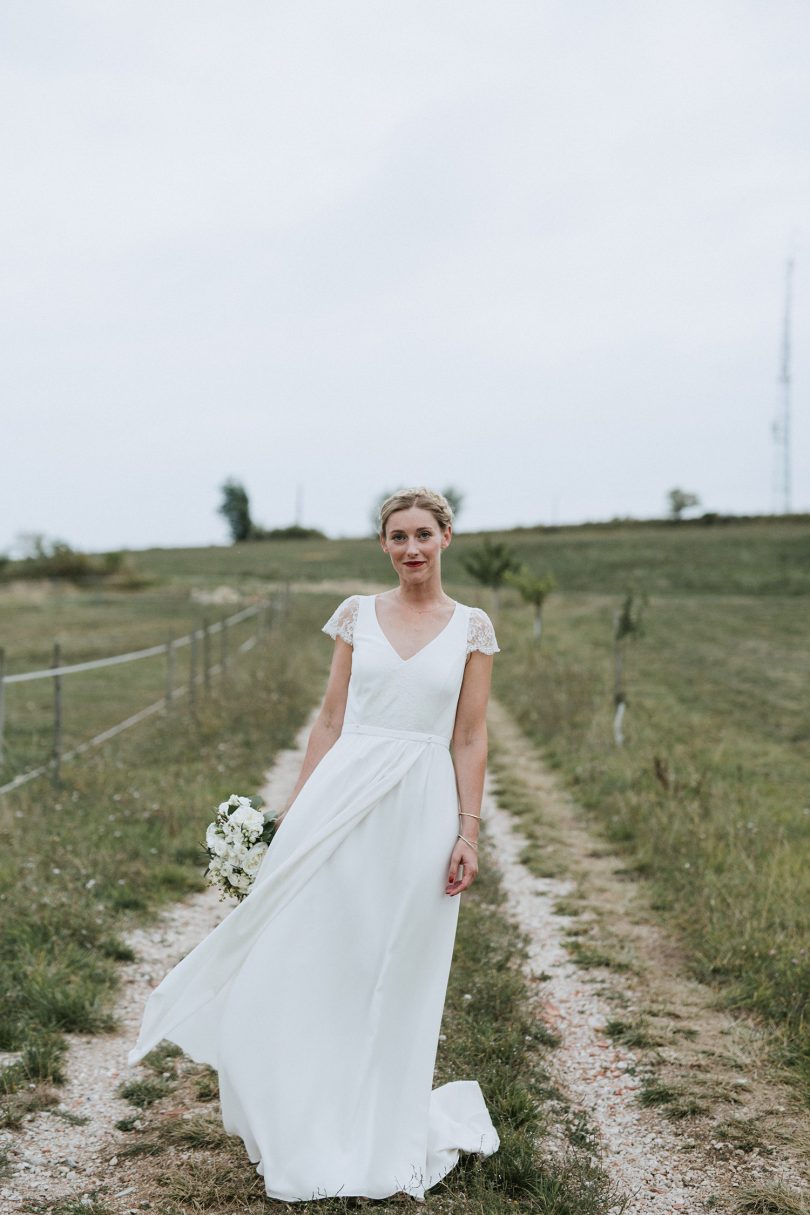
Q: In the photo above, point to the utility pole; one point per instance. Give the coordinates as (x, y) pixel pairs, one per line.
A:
(299, 503)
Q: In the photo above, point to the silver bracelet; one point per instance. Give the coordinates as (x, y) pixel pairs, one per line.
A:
(469, 814)
(466, 841)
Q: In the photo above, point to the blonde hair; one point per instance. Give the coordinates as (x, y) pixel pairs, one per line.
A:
(421, 496)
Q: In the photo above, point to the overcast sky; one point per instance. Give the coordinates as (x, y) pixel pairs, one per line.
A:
(534, 251)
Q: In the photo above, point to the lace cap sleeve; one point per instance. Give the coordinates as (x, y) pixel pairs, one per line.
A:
(341, 622)
(481, 634)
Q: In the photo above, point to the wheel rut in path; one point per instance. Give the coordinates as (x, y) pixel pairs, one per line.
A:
(751, 1129)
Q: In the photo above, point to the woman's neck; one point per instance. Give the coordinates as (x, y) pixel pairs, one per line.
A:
(422, 598)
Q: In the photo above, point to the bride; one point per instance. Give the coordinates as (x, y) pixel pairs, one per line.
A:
(319, 998)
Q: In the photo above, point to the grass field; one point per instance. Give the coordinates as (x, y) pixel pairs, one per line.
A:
(90, 625)
(764, 558)
(710, 796)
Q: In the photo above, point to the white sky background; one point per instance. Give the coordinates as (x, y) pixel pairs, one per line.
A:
(532, 250)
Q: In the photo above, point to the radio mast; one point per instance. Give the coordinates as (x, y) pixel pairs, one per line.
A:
(781, 427)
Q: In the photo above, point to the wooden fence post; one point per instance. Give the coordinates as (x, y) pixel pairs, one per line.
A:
(2, 700)
(192, 674)
(169, 672)
(223, 646)
(206, 655)
(57, 718)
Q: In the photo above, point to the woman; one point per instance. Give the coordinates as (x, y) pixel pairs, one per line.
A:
(319, 998)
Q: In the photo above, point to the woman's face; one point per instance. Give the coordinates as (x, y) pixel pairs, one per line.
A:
(414, 542)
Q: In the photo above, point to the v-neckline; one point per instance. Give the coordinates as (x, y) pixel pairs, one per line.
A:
(444, 629)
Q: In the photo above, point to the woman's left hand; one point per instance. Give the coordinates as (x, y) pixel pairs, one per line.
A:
(466, 857)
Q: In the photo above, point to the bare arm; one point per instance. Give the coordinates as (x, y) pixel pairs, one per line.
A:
(329, 722)
(470, 745)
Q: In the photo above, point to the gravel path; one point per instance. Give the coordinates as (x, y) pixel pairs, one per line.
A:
(637, 1147)
(662, 1170)
(51, 1156)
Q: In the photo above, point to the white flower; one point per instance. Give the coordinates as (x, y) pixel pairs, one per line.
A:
(254, 858)
(246, 816)
(215, 841)
(238, 856)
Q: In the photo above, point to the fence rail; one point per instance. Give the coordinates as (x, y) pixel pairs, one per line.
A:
(150, 652)
(189, 688)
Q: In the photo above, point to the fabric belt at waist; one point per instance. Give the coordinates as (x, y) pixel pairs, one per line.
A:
(386, 732)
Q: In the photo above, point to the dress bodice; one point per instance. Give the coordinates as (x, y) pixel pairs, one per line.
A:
(419, 693)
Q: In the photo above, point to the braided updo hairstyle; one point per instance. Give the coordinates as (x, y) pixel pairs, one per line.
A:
(421, 496)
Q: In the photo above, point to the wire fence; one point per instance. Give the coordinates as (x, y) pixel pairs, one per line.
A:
(201, 669)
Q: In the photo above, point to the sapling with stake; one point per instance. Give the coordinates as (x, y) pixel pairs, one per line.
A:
(627, 622)
(534, 589)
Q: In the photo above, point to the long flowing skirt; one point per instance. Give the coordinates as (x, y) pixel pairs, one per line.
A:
(319, 998)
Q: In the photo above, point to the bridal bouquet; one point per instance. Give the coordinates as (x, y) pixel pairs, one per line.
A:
(236, 842)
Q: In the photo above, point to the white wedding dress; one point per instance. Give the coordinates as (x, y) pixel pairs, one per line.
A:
(319, 998)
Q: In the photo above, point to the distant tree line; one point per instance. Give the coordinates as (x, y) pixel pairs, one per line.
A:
(41, 557)
(235, 507)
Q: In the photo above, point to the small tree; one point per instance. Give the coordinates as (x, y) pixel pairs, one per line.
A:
(30, 545)
(456, 499)
(534, 589)
(489, 563)
(236, 509)
(679, 501)
(627, 622)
